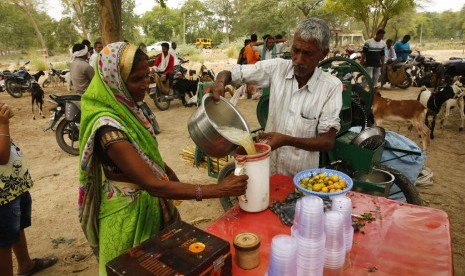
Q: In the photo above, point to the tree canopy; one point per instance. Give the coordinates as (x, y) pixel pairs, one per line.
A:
(27, 26)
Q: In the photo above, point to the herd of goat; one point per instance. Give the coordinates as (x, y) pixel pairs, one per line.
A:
(437, 105)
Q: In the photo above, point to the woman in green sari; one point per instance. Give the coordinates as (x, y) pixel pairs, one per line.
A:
(125, 187)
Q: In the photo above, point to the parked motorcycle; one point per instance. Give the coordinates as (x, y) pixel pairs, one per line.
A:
(18, 82)
(455, 66)
(399, 74)
(2, 82)
(55, 75)
(163, 101)
(67, 131)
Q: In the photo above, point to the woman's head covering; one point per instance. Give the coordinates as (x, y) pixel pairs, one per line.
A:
(107, 101)
(273, 51)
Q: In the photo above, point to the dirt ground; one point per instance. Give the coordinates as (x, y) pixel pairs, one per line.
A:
(55, 229)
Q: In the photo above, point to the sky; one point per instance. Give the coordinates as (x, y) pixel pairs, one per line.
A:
(54, 8)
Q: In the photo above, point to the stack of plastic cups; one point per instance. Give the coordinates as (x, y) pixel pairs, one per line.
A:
(335, 246)
(343, 204)
(295, 225)
(311, 237)
(282, 256)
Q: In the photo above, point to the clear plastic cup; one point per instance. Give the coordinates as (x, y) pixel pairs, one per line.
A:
(311, 217)
(335, 245)
(282, 256)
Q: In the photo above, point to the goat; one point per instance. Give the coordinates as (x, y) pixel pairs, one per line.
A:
(37, 75)
(457, 101)
(185, 86)
(37, 94)
(401, 110)
(37, 97)
(434, 101)
(206, 75)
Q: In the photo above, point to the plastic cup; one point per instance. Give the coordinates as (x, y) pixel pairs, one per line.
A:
(282, 256)
(335, 245)
(310, 217)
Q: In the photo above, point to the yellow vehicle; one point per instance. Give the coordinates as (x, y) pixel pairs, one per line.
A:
(203, 42)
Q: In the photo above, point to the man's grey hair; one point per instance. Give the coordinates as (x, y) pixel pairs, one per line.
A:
(315, 29)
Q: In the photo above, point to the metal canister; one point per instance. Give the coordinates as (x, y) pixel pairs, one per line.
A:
(247, 247)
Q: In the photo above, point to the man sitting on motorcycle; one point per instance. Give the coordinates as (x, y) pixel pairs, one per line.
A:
(164, 65)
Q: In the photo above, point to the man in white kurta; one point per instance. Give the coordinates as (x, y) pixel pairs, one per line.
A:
(305, 102)
(306, 112)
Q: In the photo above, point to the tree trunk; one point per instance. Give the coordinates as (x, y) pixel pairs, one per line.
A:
(26, 8)
(227, 27)
(78, 7)
(110, 20)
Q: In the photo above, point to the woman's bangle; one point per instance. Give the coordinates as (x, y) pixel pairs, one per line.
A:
(6, 135)
(198, 192)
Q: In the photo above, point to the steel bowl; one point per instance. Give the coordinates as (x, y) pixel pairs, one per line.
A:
(203, 123)
(370, 138)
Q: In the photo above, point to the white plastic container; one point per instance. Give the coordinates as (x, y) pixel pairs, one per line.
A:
(257, 167)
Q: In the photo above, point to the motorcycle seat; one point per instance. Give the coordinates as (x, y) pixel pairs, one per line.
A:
(66, 97)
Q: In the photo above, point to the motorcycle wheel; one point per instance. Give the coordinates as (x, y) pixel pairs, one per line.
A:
(160, 101)
(67, 135)
(13, 89)
(46, 83)
(405, 84)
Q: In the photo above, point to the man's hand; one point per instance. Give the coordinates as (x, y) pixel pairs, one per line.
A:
(273, 139)
(217, 90)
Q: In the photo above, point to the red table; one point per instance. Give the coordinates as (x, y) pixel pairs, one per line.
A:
(403, 240)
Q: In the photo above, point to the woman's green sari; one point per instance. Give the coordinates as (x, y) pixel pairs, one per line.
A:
(115, 218)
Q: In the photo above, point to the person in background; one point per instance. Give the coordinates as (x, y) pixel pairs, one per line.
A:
(163, 67)
(164, 63)
(389, 57)
(173, 52)
(241, 59)
(81, 71)
(373, 56)
(249, 53)
(402, 48)
(268, 49)
(281, 45)
(88, 45)
(15, 205)
(304, 103)
(98, 46)
(125, 186)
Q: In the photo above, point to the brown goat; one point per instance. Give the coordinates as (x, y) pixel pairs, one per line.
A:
(401, 110)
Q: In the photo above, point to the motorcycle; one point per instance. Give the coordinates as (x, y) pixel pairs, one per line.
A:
(18, 81)
(398, 73)
(2, 82)
(55, 75)
(453, 67)
(67, 131)
(162, 101)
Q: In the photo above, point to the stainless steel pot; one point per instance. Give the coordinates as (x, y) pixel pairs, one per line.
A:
(203, 124)
(370, 138)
